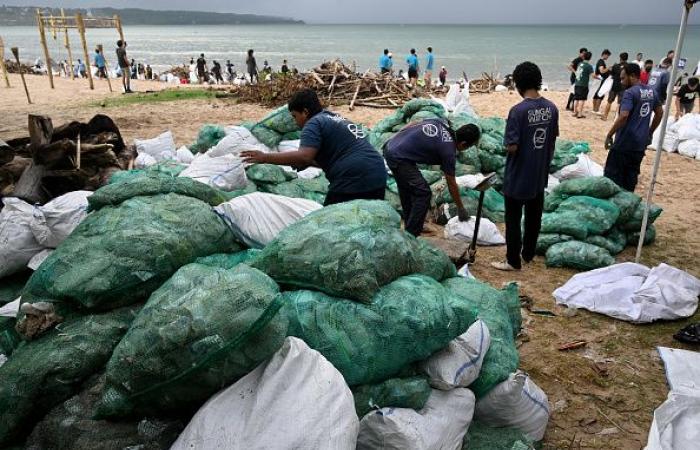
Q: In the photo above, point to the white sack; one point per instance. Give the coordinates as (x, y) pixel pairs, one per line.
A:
(158, 147)
(632, 292)
(470, 181)
(552, 182)
(257, 218)
(440, 425)
(584, 167)
(144, 161)
(690, 148)
(56, 220)
(297, 400)
(488, 231)
(234, 144)
(39, 258)
(10, 309)
(184, 155)
(459, 364)
(688, 127)
(517, 402)
(310, 173)
(17, 242)
(224, 172)
(288, 146)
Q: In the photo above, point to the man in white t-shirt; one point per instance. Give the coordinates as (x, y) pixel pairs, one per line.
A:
(640, 60)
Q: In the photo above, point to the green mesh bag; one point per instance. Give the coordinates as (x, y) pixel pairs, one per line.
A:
(271, 130)
(208, 136)
(598, 216)
(248, 189)
(566, 223)
(491, 144)
(566, 153)
(292, 136)
(349, 250)
(268, 137)
(494, 126)
(491, 162)
(12, 285)
(546, 240)
(649, 236)
(369, 343)
(319, 184)
(228, 260)
(424, 115)
(483, 437)
(286, 189)
(458, 120)
(70, 426)
(202, 330)
(395, 393)
(635, 223)
(500, 311)
(267, 173)
(470, 157)
(627, 202)
(464, 169)
(120, 254)
(598, 187)
(614, 241)
(578, 255)
(170, 168)
(416, 105)
(45, 372)
(149, 184)
(9, 338)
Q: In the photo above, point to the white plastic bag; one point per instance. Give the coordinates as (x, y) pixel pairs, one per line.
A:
(233, 144)
(17, 242)
(288, 146)
(453, 97)
(257, 218)
(552, 182)
(56, 220)
(161, 145)
(689, 148)
(670, 143)
(583, 167)
(459, 364)
(297, 400)
(470, 181)
(224, 172)
(488, 231)
(184, 155)
(688, 127)
(39, 258)
(441, 424)
(517, 402)
(144, 161)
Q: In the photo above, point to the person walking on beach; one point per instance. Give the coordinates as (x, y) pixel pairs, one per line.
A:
(686, 96)
(646, 71)
(631, 133)
(430, 142)
(659, 79)
(285, 68)
(601, 73)
(532, 129)
(385, 62)
(573, 67)
(149, 72)
(429, 66)
(353, 167)
(229, 70)
(252, 66)
(100, 64)
(412, 61)
(123, 63)
(134, 69)
(216, 71)
(201, 69)
(640, 60)
(443, 76)
(583, 78)
(82, 70)
(617, 87)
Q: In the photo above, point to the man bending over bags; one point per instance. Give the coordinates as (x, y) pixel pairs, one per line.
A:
(430, 142)
(353, 167)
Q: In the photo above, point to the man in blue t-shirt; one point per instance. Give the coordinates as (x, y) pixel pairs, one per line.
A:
(430, 142)
(385, 62)
(659, 79)
(632, 132)
(531, 134)
(429, 66)
(100, 64)
(339, 147)
(412, 61)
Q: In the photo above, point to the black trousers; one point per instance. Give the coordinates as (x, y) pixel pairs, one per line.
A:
(338, 197)
(522, 245)
(623, 167)
(414, 193)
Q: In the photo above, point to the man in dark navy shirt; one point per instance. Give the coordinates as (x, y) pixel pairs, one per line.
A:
(632, 132)
(430, 142)
(531, 134)
(339, 147)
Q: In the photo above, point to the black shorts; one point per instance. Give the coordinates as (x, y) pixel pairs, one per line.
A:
(596, 96)
(687, 108)
(333, 198)
(615, 95)
(580, 93)
(623, 167)
(412, 73)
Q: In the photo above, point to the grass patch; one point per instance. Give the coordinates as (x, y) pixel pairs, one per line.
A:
(167, 95)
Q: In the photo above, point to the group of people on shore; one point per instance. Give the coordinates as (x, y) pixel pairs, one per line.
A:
(610, 84)
(386, 66)
(215, 73)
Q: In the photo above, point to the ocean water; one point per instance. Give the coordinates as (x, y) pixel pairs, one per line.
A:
(468, 48)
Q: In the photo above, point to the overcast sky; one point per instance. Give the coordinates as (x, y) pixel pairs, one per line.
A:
(624, 12)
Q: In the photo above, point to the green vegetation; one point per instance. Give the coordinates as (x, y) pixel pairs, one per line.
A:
(167, 95)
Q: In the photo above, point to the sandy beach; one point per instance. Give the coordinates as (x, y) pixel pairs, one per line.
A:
(602, 396)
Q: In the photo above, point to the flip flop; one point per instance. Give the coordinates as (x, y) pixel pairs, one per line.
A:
(689, 334)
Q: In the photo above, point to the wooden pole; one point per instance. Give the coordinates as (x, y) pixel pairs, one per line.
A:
(15, 51)
(42, 35)
(2, 63)
(67, 44)
(81, 30)
(102, 52)
(118, 23)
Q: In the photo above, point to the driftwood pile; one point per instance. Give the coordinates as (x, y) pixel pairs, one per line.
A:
(487, 83)
(336, 84)
(13, 67)
(53, 161)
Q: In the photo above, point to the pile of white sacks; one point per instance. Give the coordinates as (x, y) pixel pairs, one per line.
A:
(682, 136)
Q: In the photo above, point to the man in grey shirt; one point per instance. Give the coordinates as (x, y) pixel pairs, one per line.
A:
(124, 64)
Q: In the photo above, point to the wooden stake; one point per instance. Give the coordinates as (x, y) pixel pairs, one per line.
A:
(2, 63)
(118, 23)
(42, 35)
(109, 83)
(81, 30)
(15, 51)
(67, 44)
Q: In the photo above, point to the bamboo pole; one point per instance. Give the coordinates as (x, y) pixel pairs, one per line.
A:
(67, 44)
(2, 63)
(81, 30)
(15, 51)
(118, 23)
(42, 35)
(102, 52)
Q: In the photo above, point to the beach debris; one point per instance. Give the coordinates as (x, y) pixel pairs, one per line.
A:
(572, 345)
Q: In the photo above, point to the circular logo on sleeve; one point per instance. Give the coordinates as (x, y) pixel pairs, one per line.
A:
(430, 130)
